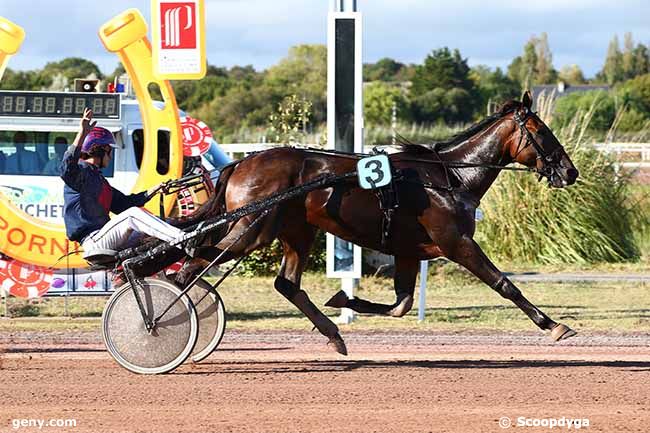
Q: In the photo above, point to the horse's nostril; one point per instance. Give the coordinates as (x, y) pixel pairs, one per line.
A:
(572, 174)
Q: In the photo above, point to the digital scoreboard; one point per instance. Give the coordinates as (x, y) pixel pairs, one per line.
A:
(58, 104)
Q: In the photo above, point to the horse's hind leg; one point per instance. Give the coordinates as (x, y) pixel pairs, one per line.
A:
(406, 270)
(470, 255)
(296, 244)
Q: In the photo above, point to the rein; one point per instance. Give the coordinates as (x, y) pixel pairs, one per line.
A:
(450, 164)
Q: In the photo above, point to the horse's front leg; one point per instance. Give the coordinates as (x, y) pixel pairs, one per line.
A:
(468, 254)
(406, 270)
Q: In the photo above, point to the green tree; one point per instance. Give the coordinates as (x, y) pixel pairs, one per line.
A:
(613, 68)
(442, 69)
(545, 73)
(378, 101)
(443, 90)
(24, 80)
(303, 73)
(73, 67)
(245, 75)
(641, 60)
(635, 93)
(514, 71)
(239, 107)
(385, 69)
(444, 105)
(523, 69)
(604, 113)
(535, 65)
(572, 74)
(628, 59)
(191, 94)
(494, 86)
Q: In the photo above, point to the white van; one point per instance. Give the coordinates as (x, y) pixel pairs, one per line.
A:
(35, 130)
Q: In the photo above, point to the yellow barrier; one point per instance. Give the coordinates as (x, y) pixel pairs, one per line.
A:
(126, 35)
(11, 38)
(22, 236)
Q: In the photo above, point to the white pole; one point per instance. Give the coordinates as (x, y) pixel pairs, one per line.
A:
(422, 304)
(348, 285)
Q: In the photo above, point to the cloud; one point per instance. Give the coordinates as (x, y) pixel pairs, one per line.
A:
(260, 32)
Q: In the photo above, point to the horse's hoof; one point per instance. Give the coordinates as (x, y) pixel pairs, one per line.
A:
(562, 332)
(339, 345)
(403, 307)
(339, 300)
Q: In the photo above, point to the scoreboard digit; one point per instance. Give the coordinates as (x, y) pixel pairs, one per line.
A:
(64, 105)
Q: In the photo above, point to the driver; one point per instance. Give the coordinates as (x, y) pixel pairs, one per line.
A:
(88, 197)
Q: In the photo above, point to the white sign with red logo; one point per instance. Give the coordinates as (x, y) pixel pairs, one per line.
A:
(197, 136)
(23, 280)
(178, 39)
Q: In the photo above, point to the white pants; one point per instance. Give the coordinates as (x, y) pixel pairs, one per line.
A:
(116, 233)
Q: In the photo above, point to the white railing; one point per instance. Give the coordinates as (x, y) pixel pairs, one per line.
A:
(231, 149)
(643, 149)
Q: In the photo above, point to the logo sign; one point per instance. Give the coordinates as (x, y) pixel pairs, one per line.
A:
(178, 26)
(23, 280)
(374, 172)
(197, 136)
(178, 39)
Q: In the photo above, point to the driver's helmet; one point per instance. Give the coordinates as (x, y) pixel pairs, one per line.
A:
(98, 138)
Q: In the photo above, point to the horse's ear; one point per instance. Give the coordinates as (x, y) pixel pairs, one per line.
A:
(527, 99)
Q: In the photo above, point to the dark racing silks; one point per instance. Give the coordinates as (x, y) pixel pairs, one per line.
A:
(88, 197)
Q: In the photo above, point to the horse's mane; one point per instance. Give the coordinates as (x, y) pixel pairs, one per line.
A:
(462, 136)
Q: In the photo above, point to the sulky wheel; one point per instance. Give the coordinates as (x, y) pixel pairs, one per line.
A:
(167, 345)
(212, 319)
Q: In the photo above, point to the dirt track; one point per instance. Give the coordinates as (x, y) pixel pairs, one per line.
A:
(291, 382)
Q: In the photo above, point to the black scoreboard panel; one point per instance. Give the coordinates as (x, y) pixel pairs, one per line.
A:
(54, 104)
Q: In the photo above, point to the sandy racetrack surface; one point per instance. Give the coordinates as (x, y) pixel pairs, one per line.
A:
(292, 382)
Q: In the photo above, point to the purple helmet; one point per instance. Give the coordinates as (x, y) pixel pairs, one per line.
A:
(98, 137)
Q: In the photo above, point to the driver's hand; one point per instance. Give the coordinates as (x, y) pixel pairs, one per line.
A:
(87, 123)
(151, 191)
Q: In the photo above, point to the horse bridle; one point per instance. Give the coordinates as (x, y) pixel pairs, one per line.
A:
(549, 160)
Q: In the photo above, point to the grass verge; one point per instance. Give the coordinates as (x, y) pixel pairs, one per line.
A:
(455, 302)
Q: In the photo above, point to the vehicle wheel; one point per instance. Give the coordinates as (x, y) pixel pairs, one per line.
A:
(212, 319)
(167, 345)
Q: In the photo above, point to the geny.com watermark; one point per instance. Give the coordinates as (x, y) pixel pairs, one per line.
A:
(562, 422)
(41, 423)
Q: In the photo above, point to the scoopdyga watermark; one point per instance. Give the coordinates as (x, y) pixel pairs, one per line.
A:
(559, 423)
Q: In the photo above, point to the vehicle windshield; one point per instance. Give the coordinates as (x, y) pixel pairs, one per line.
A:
(35, 153)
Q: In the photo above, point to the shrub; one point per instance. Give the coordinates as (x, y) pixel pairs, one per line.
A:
(24, 308)
(570, 106)
(266, 261)
(378, 100)
(591, 221)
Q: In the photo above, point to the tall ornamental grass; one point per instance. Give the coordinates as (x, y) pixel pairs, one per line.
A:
(591, 221)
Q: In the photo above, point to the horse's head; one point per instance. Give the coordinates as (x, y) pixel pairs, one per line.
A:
(537, 147)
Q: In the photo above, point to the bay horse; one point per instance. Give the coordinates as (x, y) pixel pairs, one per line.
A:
(439, 192)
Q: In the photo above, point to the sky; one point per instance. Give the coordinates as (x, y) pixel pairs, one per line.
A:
(260, 32)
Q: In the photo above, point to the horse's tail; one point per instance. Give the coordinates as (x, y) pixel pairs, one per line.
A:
(216, 204)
